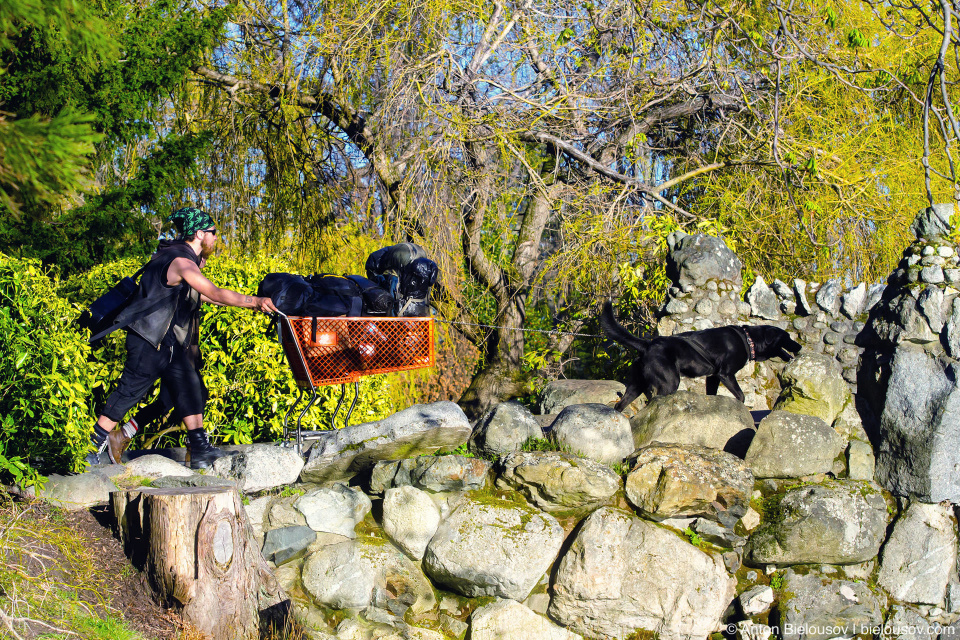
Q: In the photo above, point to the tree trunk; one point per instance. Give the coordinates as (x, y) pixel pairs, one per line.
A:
(198, 550)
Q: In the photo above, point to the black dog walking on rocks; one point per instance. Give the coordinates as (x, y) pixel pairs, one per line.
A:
(716, 353)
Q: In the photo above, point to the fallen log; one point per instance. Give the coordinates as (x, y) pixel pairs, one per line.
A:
(198, 550)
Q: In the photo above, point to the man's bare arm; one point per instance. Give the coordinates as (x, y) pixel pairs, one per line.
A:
(182, 269)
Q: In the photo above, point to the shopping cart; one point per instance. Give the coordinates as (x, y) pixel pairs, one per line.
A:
(325, 351)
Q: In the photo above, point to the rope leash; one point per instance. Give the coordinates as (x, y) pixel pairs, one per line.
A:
(549, 331)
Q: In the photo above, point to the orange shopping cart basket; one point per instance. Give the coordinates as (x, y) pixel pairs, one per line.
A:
(325, 351)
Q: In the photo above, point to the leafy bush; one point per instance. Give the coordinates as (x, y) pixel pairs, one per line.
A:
(52, 384)
(45, 380)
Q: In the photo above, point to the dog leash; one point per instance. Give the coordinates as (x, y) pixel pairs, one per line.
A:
(521, 329)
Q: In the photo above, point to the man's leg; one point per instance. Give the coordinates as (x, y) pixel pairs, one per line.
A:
(189, 397)
(119, 439)
(144, 364)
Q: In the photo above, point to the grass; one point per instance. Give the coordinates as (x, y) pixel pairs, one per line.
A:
(50, 584)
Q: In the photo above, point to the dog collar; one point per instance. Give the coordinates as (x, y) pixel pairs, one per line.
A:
(750, 347)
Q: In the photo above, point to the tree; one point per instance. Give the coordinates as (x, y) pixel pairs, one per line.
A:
(81, 100)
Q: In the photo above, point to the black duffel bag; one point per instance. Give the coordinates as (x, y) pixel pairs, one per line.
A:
(326, 295)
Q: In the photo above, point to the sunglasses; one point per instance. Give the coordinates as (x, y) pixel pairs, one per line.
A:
(213, 231)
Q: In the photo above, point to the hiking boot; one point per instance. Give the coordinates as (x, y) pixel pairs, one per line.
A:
(117, 442)
(98, 457)
(202, 453)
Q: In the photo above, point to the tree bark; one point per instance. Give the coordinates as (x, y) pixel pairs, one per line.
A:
(198, 550)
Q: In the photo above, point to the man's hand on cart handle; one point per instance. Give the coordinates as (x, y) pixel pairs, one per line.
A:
(265, 304)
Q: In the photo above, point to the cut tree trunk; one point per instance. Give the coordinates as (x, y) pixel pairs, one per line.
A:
(198, 549)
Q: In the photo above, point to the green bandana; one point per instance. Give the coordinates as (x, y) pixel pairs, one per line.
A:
(189, 220)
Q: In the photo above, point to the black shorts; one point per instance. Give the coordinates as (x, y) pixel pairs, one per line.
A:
(170, 364)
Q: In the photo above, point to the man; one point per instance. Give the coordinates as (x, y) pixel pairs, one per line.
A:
(162, 324)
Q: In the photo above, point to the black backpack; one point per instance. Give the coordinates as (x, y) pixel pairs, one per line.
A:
(326, 295)
(105, 309)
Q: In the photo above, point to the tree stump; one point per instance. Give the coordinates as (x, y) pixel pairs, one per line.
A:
(198, 550)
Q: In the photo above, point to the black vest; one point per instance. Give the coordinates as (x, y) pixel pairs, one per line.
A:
(158, 308)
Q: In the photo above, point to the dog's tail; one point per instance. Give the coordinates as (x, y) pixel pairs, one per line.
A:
(616, 332)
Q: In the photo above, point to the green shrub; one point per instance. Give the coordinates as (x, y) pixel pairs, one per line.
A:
(45, 380)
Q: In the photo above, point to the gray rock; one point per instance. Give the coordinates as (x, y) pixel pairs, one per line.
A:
(157, 466)
(594, 431)
(783, 290)
(919, 447)
(853, 301)
(719, 535)
(704, 307)
(335, 509)
(837, 522)
(804, 308)
(353, 575)
(861, 464)
(622, 574)
(256, 511)
(812, 384)
(509, 620)
(750, 630)
(686, 417)
(410, 518)
(287, 544)
(874, 294)
(675, 306)
(504, 429)
(557, 482)
(262, 466)
(933, 222)
(920, 555)
(763, 301)
(818, 608)
(951, 332)
(78, 491)
(930, 303)
(670, 481)
(696, 259)
(493, 548)
(559, 394)
(195, 480)
(431, 473)
(281, 513)
(828, 296)
(791, 445)
(904, 623)
(421, 429)
(756, 600)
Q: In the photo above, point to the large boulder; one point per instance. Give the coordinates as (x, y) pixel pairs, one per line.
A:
(355, 574)
(560, 394)
(594, 431)
(491, 547)
(80, 491)
(335, 509)
(668, 481)
(694, 260)
(261, 466)
(558, 482)
(504, 429)
(510, 620)
(920, 555)
(837, 522)
(410, 518)
(813, 607)
(686, 417)
(155, 466)
(622, 574)
(431, 473)
(919, 449)
(812, 384)
(791, 445)
(419, 430)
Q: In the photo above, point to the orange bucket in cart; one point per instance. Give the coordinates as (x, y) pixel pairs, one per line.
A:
(325, 351)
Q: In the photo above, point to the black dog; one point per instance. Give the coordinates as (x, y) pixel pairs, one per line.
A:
(716, 353)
